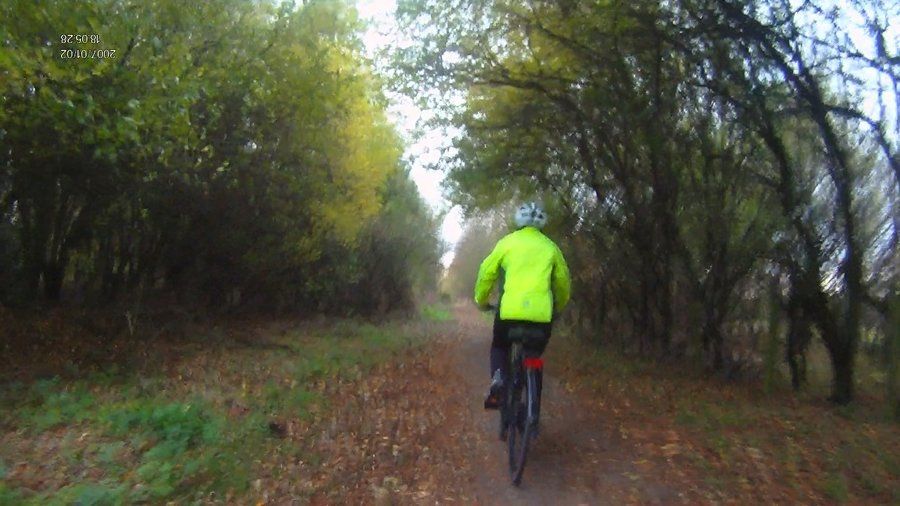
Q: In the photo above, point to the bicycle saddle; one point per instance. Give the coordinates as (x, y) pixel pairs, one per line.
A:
(529, 336)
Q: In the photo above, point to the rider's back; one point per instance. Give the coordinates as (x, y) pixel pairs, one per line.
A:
(536, 278)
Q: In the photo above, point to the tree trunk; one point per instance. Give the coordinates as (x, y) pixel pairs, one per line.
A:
(717, 353)
(33, 246)
(892, 352)
(842, 381)
(664, 299)
(798, 338)
(797, 364)
(712, 337)
(646, 326)
(54, 274)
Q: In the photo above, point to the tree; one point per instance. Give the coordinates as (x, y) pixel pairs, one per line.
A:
(220, 155)
(698, 147)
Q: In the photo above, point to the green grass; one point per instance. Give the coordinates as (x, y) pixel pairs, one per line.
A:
(835, 487)
(156, 436)
(8, 496)
(436, 312)
(709, 415)
(146, 447)
(53, 404)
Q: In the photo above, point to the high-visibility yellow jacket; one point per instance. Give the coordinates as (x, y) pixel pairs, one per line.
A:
(536, 278)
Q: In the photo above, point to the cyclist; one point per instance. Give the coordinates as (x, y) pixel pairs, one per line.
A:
(534, 287)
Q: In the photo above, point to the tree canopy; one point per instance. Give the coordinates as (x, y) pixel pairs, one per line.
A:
(702, 157)
(222, 151)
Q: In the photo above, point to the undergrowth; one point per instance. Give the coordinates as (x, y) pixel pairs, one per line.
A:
(742, 438)
(189, 425)
(436, 312)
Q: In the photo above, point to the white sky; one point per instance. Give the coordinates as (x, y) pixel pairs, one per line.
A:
(403, 112)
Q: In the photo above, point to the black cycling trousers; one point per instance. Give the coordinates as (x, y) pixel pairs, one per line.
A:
(500, 344)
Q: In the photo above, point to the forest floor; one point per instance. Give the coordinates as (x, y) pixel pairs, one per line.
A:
(326, 412)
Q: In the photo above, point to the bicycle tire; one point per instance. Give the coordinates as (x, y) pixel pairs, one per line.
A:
(518, 428)
(511, 406)
(525, 440)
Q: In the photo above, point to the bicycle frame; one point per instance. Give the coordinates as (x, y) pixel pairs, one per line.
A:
(523, 370)
(530, 365)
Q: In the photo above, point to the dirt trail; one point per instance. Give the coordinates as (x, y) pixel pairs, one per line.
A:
(578, 459)
(427, 439)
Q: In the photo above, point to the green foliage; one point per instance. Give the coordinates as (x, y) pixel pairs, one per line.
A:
(706, 416)
(232, 153)
(295, 400)
(93, 494)
(436, 312)
(836, 487)
(8, 496)
(477, 241)
(689, 155)
(394, 260)
(55, 404)
(157, 439)
(176, 427)
(177, 442)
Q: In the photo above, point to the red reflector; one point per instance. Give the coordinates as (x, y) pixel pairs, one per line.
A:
(534, 363)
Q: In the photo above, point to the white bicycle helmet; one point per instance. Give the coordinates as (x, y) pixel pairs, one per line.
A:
(531, 214)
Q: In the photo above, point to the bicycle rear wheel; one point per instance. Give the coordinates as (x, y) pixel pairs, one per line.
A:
(518, 428)
(518, 452)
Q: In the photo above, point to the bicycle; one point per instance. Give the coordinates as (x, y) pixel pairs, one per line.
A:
(520, 412)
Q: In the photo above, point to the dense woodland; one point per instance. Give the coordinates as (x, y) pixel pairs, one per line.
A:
(220, 284)
(229, 154)
(722, 175)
